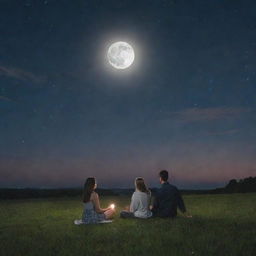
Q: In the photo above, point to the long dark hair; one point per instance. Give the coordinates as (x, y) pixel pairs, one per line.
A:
(141, 186)
(88, 189)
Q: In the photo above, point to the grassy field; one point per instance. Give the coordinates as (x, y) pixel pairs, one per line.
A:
(221, 225)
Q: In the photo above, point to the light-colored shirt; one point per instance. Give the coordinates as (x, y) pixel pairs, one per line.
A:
(140, 204)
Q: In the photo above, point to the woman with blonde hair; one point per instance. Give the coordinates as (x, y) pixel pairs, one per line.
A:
(140, 201)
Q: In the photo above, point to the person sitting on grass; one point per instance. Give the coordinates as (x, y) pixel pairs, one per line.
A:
(140, 202)
(167, 199)
(93, 213)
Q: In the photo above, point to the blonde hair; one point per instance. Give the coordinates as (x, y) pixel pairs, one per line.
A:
(141, 186)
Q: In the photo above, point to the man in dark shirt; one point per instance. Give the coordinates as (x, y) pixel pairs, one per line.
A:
(167, 199)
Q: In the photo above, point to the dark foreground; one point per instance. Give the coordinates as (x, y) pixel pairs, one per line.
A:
(221, 225)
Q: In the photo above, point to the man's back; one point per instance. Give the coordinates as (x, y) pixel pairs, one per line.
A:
(167, 200)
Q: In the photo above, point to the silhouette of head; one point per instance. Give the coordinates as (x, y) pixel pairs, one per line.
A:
(163, 176)
(89, 186)
(141, 186)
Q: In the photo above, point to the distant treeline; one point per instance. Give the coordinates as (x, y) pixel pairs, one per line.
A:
(245, 185)
(234, 186)
(16, 193)
(241, 186)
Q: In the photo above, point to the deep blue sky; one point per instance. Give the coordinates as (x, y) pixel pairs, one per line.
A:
(187, 104)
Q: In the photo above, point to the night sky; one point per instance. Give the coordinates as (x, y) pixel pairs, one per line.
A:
(187, 104)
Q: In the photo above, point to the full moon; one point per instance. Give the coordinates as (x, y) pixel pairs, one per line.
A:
(120, 55)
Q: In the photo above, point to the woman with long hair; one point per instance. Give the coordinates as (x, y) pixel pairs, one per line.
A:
(140, 202)
(93, 213)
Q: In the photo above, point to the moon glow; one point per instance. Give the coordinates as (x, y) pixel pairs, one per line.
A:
(120, 55)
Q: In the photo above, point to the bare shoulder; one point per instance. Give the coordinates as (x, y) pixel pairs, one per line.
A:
(94, 195)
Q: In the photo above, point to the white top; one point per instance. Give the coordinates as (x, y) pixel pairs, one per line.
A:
(140, 205)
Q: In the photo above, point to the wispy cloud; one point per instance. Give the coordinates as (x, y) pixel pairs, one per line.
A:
(6, 99)
(230, 131)
(208, 114)
(20, 74)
